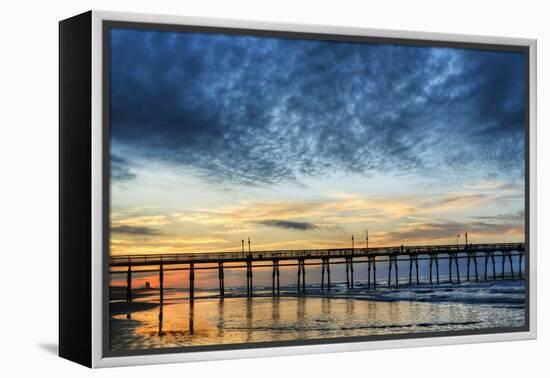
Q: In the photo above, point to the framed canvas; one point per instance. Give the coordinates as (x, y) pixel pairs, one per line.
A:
(236, 188)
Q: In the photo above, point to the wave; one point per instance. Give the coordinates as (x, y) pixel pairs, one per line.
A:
(314, 327)
(498, 293)
(508, 292)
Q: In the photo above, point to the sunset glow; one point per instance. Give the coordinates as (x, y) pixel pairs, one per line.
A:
(272, 147)
(223, 149)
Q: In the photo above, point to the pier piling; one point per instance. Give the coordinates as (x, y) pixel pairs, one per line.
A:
(431, 265)
(374, 272)
(437, 268)
(507, 255)
(249, 288)
(369, 267)
(471, 256)
(275, 277)
(347, 272)
(221, 279)
(351, 270)
(129, 284)
(192, 282)
(416, 267)
(486, 262)
(299, 276)
(520, 258)
(323, 268)
(503, 257)
(161, 282)
(457, 268)
(410, 269)
(397, 266)
(490, 255)
(413, 259)
(393, 262)
(301, 285)
(494, 268)
(328, 274)
(278, 286)
(450, 267)
(511, 265)
(475, 265)
(453, 256)
(434, 260)
(468, 267)
(389, 270)
(303, 276)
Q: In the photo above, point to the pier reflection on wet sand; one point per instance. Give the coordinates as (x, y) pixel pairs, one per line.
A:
(177, 322)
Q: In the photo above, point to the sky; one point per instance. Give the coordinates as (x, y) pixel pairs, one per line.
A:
(303, 143)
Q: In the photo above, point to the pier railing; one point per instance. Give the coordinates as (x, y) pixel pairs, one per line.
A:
(215, 257)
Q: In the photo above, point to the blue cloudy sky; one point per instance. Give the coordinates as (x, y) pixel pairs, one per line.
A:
(301, 143)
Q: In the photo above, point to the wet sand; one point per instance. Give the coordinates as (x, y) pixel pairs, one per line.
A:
(239, 320)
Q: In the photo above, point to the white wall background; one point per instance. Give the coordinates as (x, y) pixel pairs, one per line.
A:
(28, 200)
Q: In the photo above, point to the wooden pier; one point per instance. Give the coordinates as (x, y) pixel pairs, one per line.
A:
(131, 264)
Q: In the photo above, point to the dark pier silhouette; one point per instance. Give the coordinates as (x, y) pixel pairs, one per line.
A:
(326, 258)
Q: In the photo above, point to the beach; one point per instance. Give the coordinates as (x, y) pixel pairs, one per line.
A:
(146, 324)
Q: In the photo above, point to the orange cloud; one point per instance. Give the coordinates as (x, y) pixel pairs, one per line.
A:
(391, 219)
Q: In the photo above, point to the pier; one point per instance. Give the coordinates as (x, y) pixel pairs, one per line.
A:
(249, 260)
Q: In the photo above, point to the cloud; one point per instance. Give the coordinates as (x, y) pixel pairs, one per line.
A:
(120, 170)
(258, 111)
(134, 230)
(328, 213)
(391, 218)
(158, 244)
(136, 220)
(289, 225)
(447, 230)
(508, 218)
